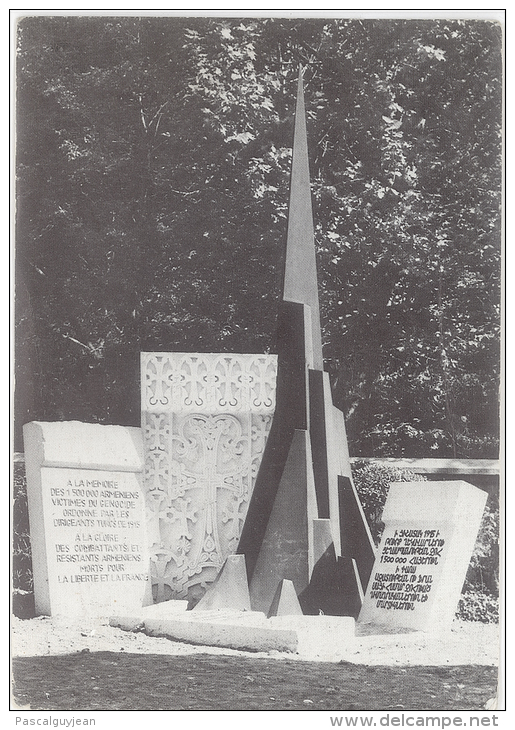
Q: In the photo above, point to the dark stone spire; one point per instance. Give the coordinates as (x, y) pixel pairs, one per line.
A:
(304, 522)
(300, 271)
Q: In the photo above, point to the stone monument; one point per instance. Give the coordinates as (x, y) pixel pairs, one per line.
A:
(251, 507)
(247, 453)
(205, 420)
(429, 535)
(305, 523)
(305, 547)
(87, 518)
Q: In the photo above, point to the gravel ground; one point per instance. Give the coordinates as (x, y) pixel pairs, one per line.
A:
(466, 644)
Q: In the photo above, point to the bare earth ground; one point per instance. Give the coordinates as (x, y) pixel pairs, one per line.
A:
(74, 665)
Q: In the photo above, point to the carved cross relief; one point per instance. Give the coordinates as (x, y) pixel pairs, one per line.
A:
(205, 420)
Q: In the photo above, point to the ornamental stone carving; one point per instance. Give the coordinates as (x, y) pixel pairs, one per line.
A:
(205, 420)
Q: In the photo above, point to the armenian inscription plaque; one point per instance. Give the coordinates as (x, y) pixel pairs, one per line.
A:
(425, 550)
(88, 535)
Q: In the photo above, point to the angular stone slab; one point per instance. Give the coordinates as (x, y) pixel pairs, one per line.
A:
(294, 346)
(300, 271)
(87, 518)
(320, 422)
(425, 551)
(322, 538)
(356, 539)
(334, 588)
(285, 601)
(287, 548)
(339, 466)
(229, 589)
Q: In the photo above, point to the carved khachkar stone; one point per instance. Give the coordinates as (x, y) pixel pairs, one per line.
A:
(205, 420)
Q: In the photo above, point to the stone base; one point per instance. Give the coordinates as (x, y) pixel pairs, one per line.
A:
(242, 630)
(319, 635)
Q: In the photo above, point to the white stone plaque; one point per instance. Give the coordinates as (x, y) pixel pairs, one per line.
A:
(425, 551)
(87, 525)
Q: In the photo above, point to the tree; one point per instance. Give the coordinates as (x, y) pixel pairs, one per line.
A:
(153, 165)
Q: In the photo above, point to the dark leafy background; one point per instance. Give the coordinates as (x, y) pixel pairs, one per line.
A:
(153, 167)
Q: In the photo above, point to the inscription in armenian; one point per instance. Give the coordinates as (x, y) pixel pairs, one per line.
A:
(425, 550)
(409, 562)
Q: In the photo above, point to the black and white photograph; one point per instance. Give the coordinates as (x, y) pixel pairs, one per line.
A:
(257, 420)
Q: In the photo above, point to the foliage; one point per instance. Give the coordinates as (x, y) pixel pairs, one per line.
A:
(478, 606)
(483, 572)
(22, 556)
(372, 482)
(480, 596)
(153, 163)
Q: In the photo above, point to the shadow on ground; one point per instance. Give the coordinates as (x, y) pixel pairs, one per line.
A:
(119, 681)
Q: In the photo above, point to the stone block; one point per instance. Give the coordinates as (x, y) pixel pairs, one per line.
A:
(229, 589)
(324, 636)
(230, 634)
(87, 520)
(425, 551)
(80, 445)
(356, 540)
(227, 615)
(285, 601)
(158, 610)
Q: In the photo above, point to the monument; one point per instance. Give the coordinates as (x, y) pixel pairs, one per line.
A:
(429, 535)
(247, 454)
(87, 518)
(305, 523)
(251, 510)
(205, 419)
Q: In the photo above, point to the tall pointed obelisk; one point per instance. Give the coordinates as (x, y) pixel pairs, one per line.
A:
(300, 270)
(305, 523)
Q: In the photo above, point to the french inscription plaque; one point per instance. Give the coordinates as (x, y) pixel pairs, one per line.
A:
(95, 536)
(88, 536)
